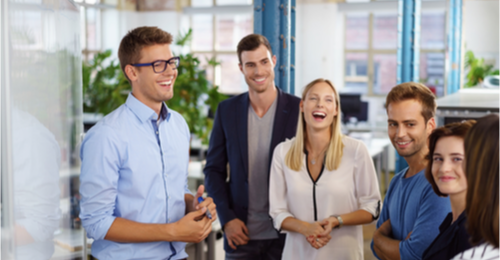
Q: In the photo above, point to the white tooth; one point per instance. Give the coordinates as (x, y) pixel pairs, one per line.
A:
(166, 83)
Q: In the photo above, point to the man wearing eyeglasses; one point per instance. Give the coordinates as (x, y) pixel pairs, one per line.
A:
(135, 201)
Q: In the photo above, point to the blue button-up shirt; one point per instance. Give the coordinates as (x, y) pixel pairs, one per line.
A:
(134, 166)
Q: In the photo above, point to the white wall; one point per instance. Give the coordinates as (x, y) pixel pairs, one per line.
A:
(481, 28)
(319, 49)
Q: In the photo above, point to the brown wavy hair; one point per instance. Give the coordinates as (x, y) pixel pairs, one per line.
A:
(252, 42)
(481, 170)
(417, 91)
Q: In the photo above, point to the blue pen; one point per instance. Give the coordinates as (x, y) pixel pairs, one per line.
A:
(200, 200)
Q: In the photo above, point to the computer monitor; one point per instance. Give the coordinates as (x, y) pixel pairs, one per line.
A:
(352, 106)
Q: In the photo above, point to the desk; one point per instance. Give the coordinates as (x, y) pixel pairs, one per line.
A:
(468, 103)
(379, 151)
(69, 244)
(378, 148)
(196, 178)
(199, 247)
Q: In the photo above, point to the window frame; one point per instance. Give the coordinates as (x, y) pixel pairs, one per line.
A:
(371, 52)
(214, 53)
(84, 7)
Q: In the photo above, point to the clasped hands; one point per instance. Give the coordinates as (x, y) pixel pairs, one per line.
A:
(318, 233)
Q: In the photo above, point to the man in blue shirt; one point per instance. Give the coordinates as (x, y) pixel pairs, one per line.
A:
(412, 212)
(135, 201)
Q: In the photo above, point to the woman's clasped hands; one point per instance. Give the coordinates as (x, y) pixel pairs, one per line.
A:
(318, 233)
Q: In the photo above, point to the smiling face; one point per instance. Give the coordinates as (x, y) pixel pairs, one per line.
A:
(319, 106)
(147, 86)
(408, 130)
(447, 161)
(258, 68)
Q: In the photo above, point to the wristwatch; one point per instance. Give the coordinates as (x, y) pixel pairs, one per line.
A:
(341, 222)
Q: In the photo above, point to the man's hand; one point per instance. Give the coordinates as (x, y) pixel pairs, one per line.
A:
(193, 227)
(207, 203)
(236, 233)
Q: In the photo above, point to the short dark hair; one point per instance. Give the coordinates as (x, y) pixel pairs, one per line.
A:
(252, 42)
(481, 170)
(452, 129)
(135, 40)
(417, 91)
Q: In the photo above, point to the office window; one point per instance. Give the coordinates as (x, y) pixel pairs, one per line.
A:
(356, 71)
(370, 52)
(216, 36)
(91, 12)
(432, 51)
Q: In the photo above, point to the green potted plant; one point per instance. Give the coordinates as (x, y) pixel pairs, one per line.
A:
(193, 93)
(104, 86)
(478, 70)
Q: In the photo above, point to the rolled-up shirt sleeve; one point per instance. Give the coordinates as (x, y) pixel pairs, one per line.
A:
(432, 211)
(367, 186)
(100, 155)
(278, 206)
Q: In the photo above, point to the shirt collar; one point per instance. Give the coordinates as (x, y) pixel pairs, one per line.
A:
(144, 112)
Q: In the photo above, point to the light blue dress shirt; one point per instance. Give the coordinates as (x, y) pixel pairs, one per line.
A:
(134, 167)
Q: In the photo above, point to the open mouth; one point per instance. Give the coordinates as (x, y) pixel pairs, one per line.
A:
(260, 80)
(319, 115)
(166, 83)
(403, 144)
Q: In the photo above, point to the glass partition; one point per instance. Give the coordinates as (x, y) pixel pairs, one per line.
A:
(42, 113)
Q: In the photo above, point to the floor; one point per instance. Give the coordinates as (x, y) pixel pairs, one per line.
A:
(367, 239)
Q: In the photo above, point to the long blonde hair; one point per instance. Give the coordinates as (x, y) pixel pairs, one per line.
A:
(295, 155)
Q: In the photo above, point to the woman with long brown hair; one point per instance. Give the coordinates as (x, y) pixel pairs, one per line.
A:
(447, 178)
(323, 185)
(481, 168)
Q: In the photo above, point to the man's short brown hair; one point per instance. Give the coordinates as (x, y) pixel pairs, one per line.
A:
(140, 37)
(453, 129)
(252, 42)
(417, 91)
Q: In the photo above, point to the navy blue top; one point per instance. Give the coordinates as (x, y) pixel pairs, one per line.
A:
(452, 239)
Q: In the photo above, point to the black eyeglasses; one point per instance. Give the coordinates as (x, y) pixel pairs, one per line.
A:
(160, 66)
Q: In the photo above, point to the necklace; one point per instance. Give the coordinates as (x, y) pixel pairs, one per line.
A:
(313, 160)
